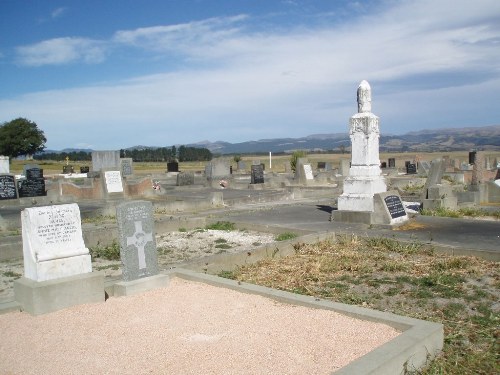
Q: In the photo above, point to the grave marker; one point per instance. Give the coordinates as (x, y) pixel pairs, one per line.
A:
(137, 240)
(411, 168)
(173, 166)
(126, 166)
(113, 181)
(308, 172)
(105, 160)
(33, 185)
(392, 162)
(185, 178)
(257, 174)
(4, 164)
(8, 187)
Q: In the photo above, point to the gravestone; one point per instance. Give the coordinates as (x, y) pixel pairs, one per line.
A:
(411, 168)
(217, 169)
(308, 173)
(68, 169)
(113, 182)
(388, 209)
(185, 178)
(126, 166)
(57, 265)
(84, 169)
(137, 240)
(423, 167)
(472, 157)
(365, 176)
(257, 174)
(321, 165)
(478, 171)
(105, 160)
(392, 162)
(33, 185)
(173, 166)
(383, 165)
(497, 177)
(8, 187)
(4, 164)
(435, 176)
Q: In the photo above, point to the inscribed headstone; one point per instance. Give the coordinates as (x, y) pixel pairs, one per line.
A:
(308, 172)
(185, 178)
(392, 162)
(257, 174)
(126, 166)
(84, 169)
(34, 183)
(4, 164)
(53, 244)
(137, 239)
(113, 181)
(105, 160)
(8, 186)
(388, 209)
(411, 168)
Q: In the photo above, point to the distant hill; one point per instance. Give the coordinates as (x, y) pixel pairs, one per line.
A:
(451, 139)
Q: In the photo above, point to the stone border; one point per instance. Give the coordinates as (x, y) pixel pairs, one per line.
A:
(418, 343)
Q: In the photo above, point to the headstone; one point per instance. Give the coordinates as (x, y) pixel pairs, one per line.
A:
(217, 169)
(33, 185)
(321, 165)
(137, 239)
(8, 187)
(383, 165)
(257, 174)
(423, 167)
(394, 206)
(328, 167)
(126, 166)
(472, 157)
(411, 168)
(113, 181)
(308, 172)
(392, 162)
(68, 169)
(185, 178)
(388, 209)
(84, 169)
(173, 166)
(365, 176)
(29, 166)
(434, 177)
(105, 160)
(53, 244)
(345, 165)
(497, 177)
(4, 164)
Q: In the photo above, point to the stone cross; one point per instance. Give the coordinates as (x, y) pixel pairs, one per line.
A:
(139, 239)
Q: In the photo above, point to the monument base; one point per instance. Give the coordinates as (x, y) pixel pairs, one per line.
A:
(127, 288)
(55, 269)
(42, 297)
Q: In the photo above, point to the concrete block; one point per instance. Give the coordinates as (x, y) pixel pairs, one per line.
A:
(42, 297)
(127, 288)
(439, 191)
(363, 217)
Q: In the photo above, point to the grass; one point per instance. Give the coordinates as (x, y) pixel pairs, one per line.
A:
(98, 219)
(462, 212)
(221, 225)
(285, 236)
(109, 252)
(406, 279)
(12, 274)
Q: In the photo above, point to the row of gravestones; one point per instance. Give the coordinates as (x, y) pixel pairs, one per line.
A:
(32, 185)
(54, 252)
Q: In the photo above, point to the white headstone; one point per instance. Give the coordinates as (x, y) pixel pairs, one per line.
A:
(4, 164)
(113, 181)
(308, 172)
(365, 176)
(53, 244)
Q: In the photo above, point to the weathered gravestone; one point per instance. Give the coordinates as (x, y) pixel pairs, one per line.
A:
(345, 164)
(392, 162)
(411, 168)
(257, 174)
(57, 265)
(126, 166)
(33, 185)
(185, 179)
(173, 166)
(113, 182)
(388, 209)
(4, 164)
(84, 169)
(8, 187)
(423, 167)
(472, 157)
(137, 248)
(217, 169)
(321, 165)
(105, 160)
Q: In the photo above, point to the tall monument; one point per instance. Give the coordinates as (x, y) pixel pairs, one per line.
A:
(365, 176)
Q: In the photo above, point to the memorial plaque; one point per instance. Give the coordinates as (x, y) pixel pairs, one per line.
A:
(411, 168)
(395, 206)
(33, 173)
(173, 167)
(257, 174)
(137, 239)
(308, 172)
(113, 182)
(8, 187)
(53, 245)
(31, 188)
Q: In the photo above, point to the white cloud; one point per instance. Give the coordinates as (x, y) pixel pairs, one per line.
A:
(58, 12)
(60, 51)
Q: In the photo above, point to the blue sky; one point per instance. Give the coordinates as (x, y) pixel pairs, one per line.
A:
(107, 74)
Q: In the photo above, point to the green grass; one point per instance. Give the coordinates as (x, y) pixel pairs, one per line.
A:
(222, 225)
(462, 212)
(109, 252)
(98, 219)
(285, 236)
(12, 274)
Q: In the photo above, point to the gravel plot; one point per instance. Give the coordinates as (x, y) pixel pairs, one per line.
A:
(185, 328)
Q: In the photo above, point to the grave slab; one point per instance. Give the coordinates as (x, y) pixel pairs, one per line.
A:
(127, 288)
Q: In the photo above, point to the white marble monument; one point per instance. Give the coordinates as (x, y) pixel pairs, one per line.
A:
(4, 164)
(365, 176)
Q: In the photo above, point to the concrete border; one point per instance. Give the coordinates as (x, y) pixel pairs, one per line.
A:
(418, 343)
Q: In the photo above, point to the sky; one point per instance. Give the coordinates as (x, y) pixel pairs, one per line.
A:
(111, 74)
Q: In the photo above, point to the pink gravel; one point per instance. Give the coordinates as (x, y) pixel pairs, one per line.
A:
(185, 328)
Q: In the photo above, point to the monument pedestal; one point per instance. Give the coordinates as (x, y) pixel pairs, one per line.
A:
(127, 288)
(42, 297)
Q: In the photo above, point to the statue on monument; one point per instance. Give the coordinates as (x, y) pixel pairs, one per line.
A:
(364, 97)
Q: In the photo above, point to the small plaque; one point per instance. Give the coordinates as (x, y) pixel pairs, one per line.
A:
(395, 206)
(308, 172)
(113, 181)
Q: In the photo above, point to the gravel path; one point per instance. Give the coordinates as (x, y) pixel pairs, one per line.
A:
(185, 328)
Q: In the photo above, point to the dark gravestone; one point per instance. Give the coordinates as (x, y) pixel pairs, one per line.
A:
(8, 187)
(84, 169)
(395, 206)
(257, 174)
(137, 239)
(497, 177)
(33, 173)
(173, 167)
(67, 169)
(472, 157)
(411, 168)
(321, 165)
(31, 188)
(392, 163)
(383, 165)
(406, 163)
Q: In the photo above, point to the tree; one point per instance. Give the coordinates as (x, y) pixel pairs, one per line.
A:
(296, 155)
(21, 137)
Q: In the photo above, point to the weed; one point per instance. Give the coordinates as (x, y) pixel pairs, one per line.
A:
(182, 230)
(220, 240)
(285, 236)
(109, 266)
(12, 274)
(98, 219)
(227, 275)
(222, 225)
(109, 252)
(223, 246)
